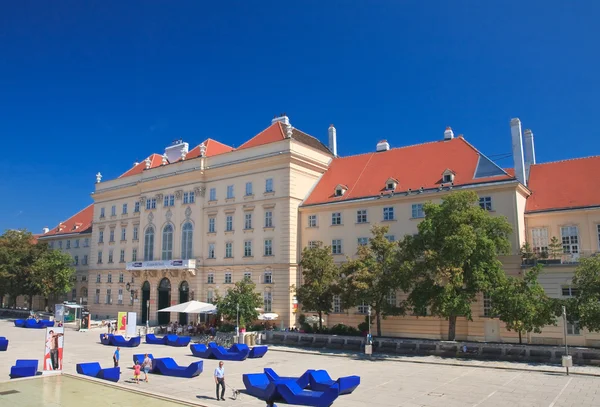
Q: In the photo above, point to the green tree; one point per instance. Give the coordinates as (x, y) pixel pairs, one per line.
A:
(320, 276)
(522, 303)
(242, 295)
(52, 273)
(555, 248)
(18, 254)
(455, 256)
(374, 276)
(586, 306)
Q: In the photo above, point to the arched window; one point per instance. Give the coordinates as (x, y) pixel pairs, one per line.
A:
(167, 243)
(149, 244)
(187, 238)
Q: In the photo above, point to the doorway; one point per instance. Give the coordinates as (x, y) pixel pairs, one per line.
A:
(164, 301)
(145, 300)
(184, 295)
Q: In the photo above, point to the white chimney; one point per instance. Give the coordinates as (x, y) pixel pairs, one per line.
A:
(517, 149)
(281, 118)
(174, 151)
(529, 152)
(45, 230)
(333, 140)
(383, 145)
(448, 134)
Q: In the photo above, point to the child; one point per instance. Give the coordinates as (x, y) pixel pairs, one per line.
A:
(136, 372)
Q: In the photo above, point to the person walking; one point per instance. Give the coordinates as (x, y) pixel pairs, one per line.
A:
(146, 366)
(116, 356)
(136, 372)
(220, 381)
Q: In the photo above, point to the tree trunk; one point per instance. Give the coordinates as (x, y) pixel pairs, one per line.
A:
(30, 302)
(320, 321)
(378, 317)
(520, 338)
(452, 327)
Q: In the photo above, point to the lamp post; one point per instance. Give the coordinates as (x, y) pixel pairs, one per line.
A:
(147, 315)
(368, 345)
(567, 361)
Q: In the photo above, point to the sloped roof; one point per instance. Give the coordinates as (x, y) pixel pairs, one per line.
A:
(81, 222)
(155, 161)
(276, 132)
(414, 167)
(213, 147)
(567, 184)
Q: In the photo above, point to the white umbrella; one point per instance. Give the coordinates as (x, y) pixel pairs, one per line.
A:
(191, 307)
(269, 316)
(314, 319)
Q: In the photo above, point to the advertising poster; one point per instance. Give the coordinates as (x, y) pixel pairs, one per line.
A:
(53, 352)
(85, 321)
(122, 321)
(131, 323)
(59, 312)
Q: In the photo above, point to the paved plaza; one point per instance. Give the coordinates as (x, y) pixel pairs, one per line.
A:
(383, 382)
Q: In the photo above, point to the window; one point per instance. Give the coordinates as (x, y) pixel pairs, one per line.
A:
(339, 191)
(211, 250)
(187, 240)
(210, 279)
(167, 243)
(74, 295)
(268, 247)
(109, 278)
(569, 291)
(136, 207)
(390, 238)
(111, 239)
(313, 243)
(269, 185)
(189, 197)
(85, 260)
(570, 239)
(391, 298)
(110, 256)
(573, 328)
(267, 301)
(134, 254)
(97, 297)
(51, 245)
(211, 224)
(248, 220)
(248, 188)
(448, 178)
(209, 296)
(113, 210)
(336, 218)
(336, 246)
(227, 278)
(60, 244)
(230, 194)
(75, 260)
(101, 236)
(312, 221)
(123, 234)
(151, 203)
(98, 278)
(76, 243)
(337, 303)
(229, 223)
(388, 213)
(269, 220)
(120, 297)
(248, 248)
(212, 194)
(108, 296)
(363, 308)
(124, 211)
(363, 241)
(228, 250)
(247, 275)
(361, 216)
(149, 244)
(101, 213)
(99, 256)
(487, 305)
(84, 278)
(86, 242)
(417, 211)
(68, 244)
(136, 232)
(169, 200)
(485, 202)
(539, 240)
(268, 277)
(122, 256)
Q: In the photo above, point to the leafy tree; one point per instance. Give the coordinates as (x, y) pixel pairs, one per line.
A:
(374, 276)
(586, 306)
(319, 280)
(555, 247)
(244, 296)
(52, 273)
(527, 253)
(18, 254)
(522, 304)
(455, 256)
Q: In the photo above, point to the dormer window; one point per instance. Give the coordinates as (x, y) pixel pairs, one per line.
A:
(391, 184)
(448, 176)
(340, 190)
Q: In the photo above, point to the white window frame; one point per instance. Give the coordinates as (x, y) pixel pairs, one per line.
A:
(229, 223)
(485, 203)
(269, 185)
(228, 250)
(136, 233)
(312, 244)
(211, 250)
(268, 219)
(573, 329)
(77, 243)
(212, 221)
(122, 256)
(230, 192)
(212, 194)
(228, 278)
(336, 218)
(570, 240)
(134, 254)
(111, 238)
(187, 240)
(249, 191)
(363, 308)
(113, 210)
(337, 304)
(248, 275)
(391, 298)
(124, 209)
(539, 240)
(361, 216)
(389, 213)
(136, 207)
(268, 247)
(123, 234)
(312, 221)
(111, 256)
(362, 241)
(108, 296)
(247, 248)
(248, 220)
(120, 296)
(109, 278)
(268, 277)
(336, 246)
(210, 278)
(417, 211)
(267, 301)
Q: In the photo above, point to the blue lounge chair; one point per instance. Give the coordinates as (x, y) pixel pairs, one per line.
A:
(151, 339)
(291, 393)
(3, 343)
(168, 367)
(118, 340)
(302, 381)
(320, 381)
(24, 368)
(219, 352)
(20, 323)
(258, 352)
(140, 358)
(179, 341)
(32, 323)
(259, 385)
(105, 339)
(200, 350)
(93, 369)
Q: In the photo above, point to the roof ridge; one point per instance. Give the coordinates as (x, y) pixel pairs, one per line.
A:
(264, 130)
(311, 136)
(72, 216)
(361, 173)
(567, 160)
(394, 148)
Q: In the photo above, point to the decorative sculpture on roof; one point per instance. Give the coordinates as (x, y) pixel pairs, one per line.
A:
(288, 130)
(98, 178)
(164, 159)
(183, 154)
(202, 150)
(148, 163)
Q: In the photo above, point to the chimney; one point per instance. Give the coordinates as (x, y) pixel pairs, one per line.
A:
(174, 151)
(517, 149)
(529, 151)
(333, 140)
(45, 230)
(383, 145)
(281, 118)
(448, 134)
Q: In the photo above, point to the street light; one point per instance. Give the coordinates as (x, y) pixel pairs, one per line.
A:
(147, 315)
(567, 361)
(237, 321)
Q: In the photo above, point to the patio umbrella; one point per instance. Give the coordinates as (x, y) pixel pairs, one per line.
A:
(191, 307)
(269, 316)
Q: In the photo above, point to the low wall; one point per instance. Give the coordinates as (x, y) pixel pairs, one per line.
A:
(422, 347)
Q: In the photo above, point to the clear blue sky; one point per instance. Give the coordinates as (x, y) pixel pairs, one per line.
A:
(88, 86)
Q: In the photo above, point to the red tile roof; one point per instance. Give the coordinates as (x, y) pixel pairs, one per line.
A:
(213, 147)
(413, 166)
(81, 222)
(276, 132)
(155, 161)
(565, 184)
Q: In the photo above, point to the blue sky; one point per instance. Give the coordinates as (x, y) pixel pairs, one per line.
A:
(96, 85)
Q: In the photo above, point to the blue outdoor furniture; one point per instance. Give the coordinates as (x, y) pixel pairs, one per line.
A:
(93, 369)
(151, 339)
(3, 343)
(258, 352)
(140, 358)
(105, 339)
(168, 367)
(20, 323)
(32, 323)
(179, 341)
(118, 340)
(302, 381)
(291, 393)
(259, 385)
(320, 381)
(200, 350)
(220, 353)
(24, 368)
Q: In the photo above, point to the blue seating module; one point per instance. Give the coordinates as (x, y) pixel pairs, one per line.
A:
(320, 381)
(93, 369)
(105, 339)
(140, 358)
(258, 352)
(294, 394)
(259, 385)
(200, 350)
(32, 323)
(219, 352)
(3, 343)
(118, 340)
(24, 368)
(168, 367)
(151, 339)
(302, 381)
(179, 341)
(20, 323)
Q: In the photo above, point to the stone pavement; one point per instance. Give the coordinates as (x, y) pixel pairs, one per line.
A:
(384, 382)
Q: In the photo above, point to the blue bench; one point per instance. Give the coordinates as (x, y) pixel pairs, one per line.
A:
(200, 350)
(152, 339)
(258, 352)
(3, 343)
(24, 368)
(235, 353)
(259, 385)
(19, 323)
(140, 358)
(292, 393)
(32, 323)
(179, 341)
(320, 381)
(118, 340)
(168, 367)
(93, 369)
(105, 339)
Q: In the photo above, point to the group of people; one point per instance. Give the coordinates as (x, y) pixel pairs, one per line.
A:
(191, 329)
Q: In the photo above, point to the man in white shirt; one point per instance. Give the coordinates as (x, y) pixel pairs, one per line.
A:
(220, 381)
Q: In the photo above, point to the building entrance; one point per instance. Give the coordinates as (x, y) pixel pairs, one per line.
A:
(164, 301)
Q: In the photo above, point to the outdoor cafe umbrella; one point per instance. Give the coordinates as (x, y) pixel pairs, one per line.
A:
(191, 307)
(269, 316)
